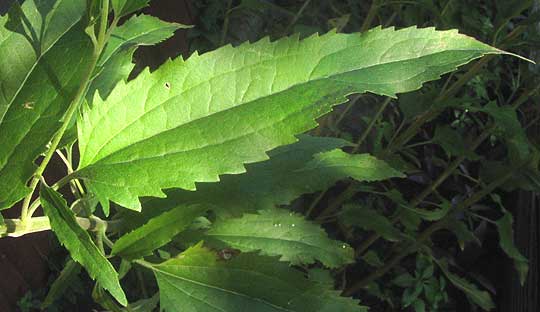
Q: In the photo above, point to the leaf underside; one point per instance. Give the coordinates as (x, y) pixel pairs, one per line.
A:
(211, 114)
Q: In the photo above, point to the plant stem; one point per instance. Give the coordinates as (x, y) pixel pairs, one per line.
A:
(16, 228)
(373, 9)
(426, 234)
(73, 106)
(372, 124)
(225, 29)
(297, 16)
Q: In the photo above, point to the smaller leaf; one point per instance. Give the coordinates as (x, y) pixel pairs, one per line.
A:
(279, 232)
(452, 142)
(411, 294)
(431, 215)
(125, 7)
(370, 220)
(157, 232)
(373, 259)
(506, 241)
(462, 232)
(480, 297)
(79, 243)
(404, 280)
(361, 167)
(419, 306)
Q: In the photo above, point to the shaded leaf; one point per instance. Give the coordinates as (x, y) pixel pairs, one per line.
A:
(480, 297)
(61, 283)
(279, 232)
(197, 280)
(157, 232)
(125, 7)
(506, 241)
(79, 243)
(370, 220)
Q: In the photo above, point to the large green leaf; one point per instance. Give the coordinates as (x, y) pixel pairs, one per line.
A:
(37, 81)
(79, 243)
(279, 232)
(157, 232)
(197, 280)
(213, 113)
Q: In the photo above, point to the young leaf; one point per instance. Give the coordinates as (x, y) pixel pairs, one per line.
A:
(362, 167)
(157, 232)
(197, 281)
(370, 220)
(452, 142)
(481, 298)
(431, 215)
(278, 232)
(37, 82)
(79, 243)
(506, 241)
(116, 61)
(235, 104)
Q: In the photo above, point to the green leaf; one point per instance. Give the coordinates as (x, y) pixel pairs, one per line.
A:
(480, 297)
(506, 241)
(61, 283)
(370, 220)
(38, 79)
(279, 232)
(431, 215)
(79, 243)
(197, 280)
(452, 142)
(373, 259)
(235, 104)
(157, 232)
(362, 167)
(462, 232)
(263, 186)
(116, 60)
(125, 7)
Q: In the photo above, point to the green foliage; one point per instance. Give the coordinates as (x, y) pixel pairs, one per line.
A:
(215, 148)
(79, 243)
(197, 280)
(124, 160)
(278, 232)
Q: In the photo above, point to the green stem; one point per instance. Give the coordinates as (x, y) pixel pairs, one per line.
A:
(225, 29)
(73, 106)
(373, 9)
(16, 228)
(372, 124)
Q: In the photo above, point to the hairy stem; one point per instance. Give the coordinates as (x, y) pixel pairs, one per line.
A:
(16, 228)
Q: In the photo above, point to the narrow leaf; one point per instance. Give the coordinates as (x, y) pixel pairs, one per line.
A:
(197, 281)
(125, 7)
(79, 243)
(506, 241)
(480, 297)
(244, 101)
(278, 232)
(157, 232)
(363, 167)
(62, 282)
